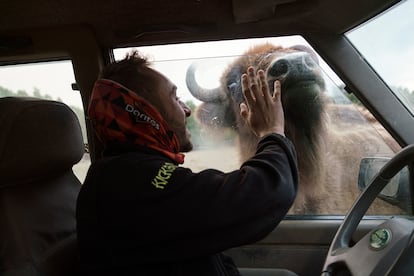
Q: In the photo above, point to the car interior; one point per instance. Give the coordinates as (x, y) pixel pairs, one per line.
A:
(40, 141)
(361, 226)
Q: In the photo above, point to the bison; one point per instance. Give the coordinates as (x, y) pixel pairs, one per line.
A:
(330, 139)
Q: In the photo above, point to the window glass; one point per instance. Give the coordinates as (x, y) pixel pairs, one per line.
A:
(331, 129)
(47, 80)
(387, 44)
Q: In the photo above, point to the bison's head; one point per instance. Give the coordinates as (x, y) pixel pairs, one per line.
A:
(302, 93)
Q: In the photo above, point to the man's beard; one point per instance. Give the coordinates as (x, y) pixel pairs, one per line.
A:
(184, 139)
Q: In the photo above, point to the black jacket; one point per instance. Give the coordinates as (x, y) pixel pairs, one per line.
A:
(140, 214)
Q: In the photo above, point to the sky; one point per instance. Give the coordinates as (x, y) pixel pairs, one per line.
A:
(388, 44)
(389, 48)
(52, 78)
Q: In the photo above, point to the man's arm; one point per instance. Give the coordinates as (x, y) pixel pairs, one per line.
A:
(219, 210)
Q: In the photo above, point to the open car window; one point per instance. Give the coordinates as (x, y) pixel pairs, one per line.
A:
(333, 133)
(51, 81)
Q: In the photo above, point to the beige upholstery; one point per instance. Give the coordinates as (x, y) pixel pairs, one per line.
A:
(40, 141)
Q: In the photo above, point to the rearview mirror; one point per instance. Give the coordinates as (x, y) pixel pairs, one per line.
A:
(396, 192)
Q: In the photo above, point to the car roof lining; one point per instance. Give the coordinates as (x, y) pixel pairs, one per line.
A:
(147, 22)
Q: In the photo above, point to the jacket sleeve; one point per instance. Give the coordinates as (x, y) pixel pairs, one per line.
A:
(217, 210)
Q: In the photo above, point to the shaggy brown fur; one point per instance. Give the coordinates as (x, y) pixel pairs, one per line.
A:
(328, 153)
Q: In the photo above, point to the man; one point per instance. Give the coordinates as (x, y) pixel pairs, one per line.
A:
(140, 213)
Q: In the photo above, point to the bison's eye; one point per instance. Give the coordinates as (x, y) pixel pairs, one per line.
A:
(235, 91)
(232, 87)
(309, 62)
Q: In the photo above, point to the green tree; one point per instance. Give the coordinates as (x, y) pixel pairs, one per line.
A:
(353, 98)
(4, 92)
(406, 96)
(36, 93)
(193, 125)
(22, 93)
(403, 93)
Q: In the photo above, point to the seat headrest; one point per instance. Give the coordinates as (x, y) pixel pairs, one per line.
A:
(38, 139)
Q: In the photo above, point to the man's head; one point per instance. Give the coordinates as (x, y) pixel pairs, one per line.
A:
(135, 73)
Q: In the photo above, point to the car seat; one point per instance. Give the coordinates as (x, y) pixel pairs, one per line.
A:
(40, 141)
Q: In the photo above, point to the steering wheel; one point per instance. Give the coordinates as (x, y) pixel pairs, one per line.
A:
(385, 250)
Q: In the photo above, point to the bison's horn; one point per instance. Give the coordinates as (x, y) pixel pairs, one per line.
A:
(203, 94)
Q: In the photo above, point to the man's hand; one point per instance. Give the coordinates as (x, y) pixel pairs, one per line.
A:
(262, 110)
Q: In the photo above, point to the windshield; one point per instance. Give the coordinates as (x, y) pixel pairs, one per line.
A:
(331, 130)
(212, 58)
(387, 43)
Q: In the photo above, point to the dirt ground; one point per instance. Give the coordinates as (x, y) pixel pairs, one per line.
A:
(224, 158)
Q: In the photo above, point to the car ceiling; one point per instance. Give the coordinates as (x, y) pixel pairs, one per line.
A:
(125, 23)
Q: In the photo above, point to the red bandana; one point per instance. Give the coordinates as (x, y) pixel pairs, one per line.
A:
(118, 114)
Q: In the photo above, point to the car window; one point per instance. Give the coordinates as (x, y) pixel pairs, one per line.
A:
(385, 42)
(332, 131)
(47, 80)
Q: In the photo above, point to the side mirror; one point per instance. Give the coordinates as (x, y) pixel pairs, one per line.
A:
(396, 192)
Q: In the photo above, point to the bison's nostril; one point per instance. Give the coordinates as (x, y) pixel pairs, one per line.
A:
(279, 68)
